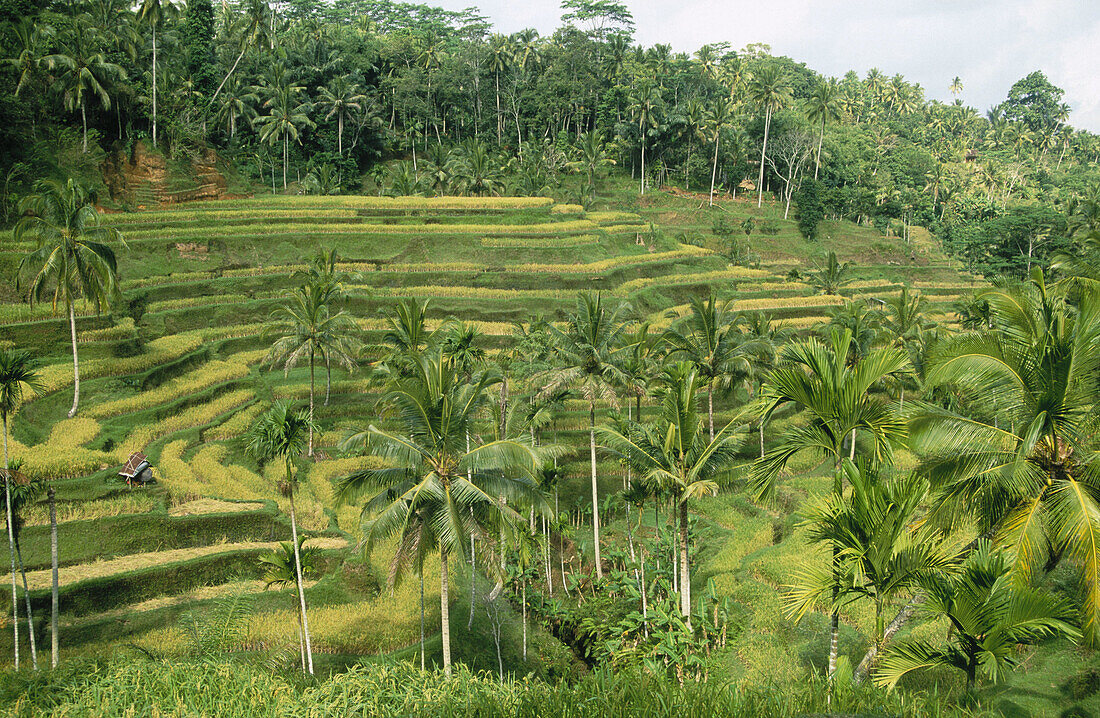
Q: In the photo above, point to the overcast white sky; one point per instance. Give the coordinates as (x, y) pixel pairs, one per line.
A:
(988, 43)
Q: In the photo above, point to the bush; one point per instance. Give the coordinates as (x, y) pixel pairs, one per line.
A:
(810, 210)
(769, 227)
(1083, 684)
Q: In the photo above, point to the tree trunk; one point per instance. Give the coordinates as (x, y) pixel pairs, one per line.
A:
(328, 379)
(340, 133)
(154, 85)
(710, 408)
(298, 575)
(311, 362)
(50, 495)
(643, 162)
(595, 490)
(524, 602)
(422, 618)
(820, 139)
(30, 612)
(76, 362)
(286, 151)
(685, 571)
(761, 438)
(445, 613)
(763, 153)
(714, 169)
(11, 545)
(224, 79)
(84, 121)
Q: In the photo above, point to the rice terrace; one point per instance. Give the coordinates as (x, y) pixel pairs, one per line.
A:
(366, 359)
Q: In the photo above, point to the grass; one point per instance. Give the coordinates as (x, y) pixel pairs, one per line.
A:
(136, 562)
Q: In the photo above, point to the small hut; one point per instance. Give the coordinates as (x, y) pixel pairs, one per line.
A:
(137, 470)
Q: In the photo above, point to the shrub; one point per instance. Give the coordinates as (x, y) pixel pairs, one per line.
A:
(769, 227)
(809, 207)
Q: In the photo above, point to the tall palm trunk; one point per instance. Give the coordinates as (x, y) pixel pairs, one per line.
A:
(710, 408)
(298, 574)
(328, 379)
(84, 121)
(685, 573)
(50, 495)
(27, 599)
(445, 612)
(76, 362)
(761, 427)
(763, 154)
(523, 600)
(311, 402)
(820, 139)
(11, 546)
(595, 490)
(286, 151)
(422, 618)
(244, 48)
(340, 133)
(714, 169)
(643, 163)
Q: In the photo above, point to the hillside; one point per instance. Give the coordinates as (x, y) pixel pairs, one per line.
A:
(177, 371)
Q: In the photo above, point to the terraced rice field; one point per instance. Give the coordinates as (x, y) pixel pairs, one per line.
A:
(176, 370)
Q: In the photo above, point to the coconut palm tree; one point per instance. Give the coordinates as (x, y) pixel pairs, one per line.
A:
(710, 340)
(770, 91)
(674, 452)
(153, 13)
(344, 99)
(719, 115)
(84, 72)
(281, 434)
(1021, 462)
(645, 105)
(822, 106)
(285, 120)
(70, 259)
(430, 477)
(818, 378)
(884, 550)
(279, 572)
(17, 376)
(989, 614)
(589, 352)
(255, 30)
(306, 328)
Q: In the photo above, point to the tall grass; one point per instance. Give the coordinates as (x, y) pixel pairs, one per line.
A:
(136, 686)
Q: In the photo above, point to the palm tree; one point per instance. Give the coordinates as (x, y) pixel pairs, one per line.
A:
(644, 106)
(431, 482)
(17, 376)
(307, 329)
(821, 107)
(284, 120)
(255, 29)
(674, 452)
(905, 321)
(719, 116)
(153, 13)
(709, 339)
(237, 105)
(281, 433)
(70, 259)
(768, 337)
(884, 550)
(85, 72)
(989, 613)
(344, 99)
(956, 86)
(280, 573)
(830, 278)
(500, 58)
(770, 91)
(1021, 463)
(593, 154)
(835, 393)
(589, 350)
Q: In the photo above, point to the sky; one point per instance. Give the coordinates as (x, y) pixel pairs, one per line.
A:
(989, 44)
